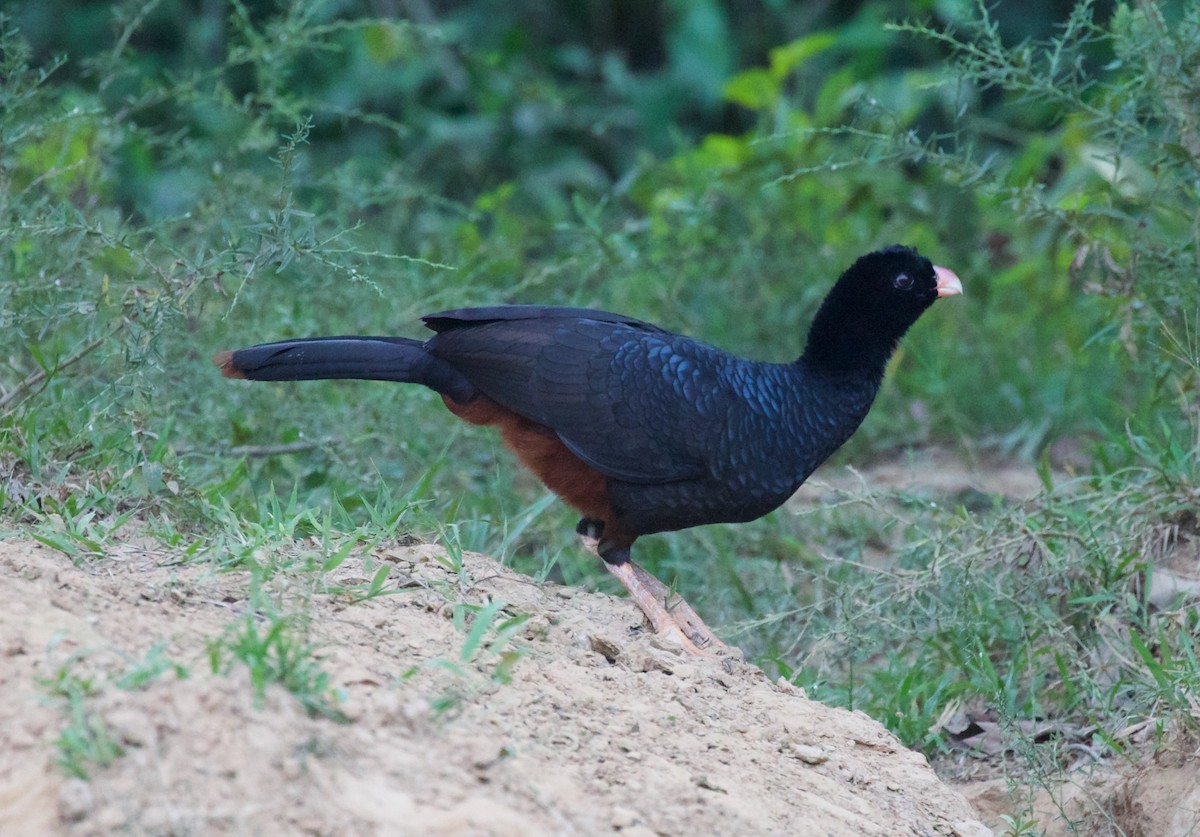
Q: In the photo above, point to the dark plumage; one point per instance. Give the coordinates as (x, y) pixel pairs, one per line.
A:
(641, 429)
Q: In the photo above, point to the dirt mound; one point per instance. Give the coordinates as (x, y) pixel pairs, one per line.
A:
(560, 718)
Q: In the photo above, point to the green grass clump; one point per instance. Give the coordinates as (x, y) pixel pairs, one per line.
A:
(276, 652)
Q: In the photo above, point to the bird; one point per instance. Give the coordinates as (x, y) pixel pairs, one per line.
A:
(640, 429)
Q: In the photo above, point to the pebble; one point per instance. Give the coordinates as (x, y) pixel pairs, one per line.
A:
(637, 831)
(604, 646)
(132, 728)
(623, 817)
(108, 819)
(75, 800)
(158, 819)
(808, 754)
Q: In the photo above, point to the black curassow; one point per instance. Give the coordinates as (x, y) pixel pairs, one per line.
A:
(640, 429)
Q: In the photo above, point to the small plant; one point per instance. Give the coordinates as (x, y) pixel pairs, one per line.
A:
(85, 742)
(484, 624)
(451, 554)
(76, 528)
(144, 672)
(486, 646)
(1019, 825)
(274, 652)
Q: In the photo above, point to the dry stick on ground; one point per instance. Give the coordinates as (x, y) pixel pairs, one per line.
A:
(255, 451)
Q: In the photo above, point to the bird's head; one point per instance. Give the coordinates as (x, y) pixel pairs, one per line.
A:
(872, 304)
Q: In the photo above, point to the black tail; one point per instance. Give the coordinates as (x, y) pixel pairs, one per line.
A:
(399, 359)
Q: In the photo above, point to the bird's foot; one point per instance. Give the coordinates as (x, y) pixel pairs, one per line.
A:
(664, 623)
(682, 614)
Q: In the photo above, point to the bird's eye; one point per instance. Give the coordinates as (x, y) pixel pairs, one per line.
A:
(903, 281)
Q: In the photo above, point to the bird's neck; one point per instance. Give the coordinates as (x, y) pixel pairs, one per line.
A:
(843, 348)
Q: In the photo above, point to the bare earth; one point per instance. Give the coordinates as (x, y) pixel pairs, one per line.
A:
(649, 743)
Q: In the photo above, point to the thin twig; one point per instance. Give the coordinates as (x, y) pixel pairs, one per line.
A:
(254, 451)
(41, 375)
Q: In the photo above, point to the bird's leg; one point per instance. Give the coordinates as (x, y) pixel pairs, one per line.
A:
(670, 616)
